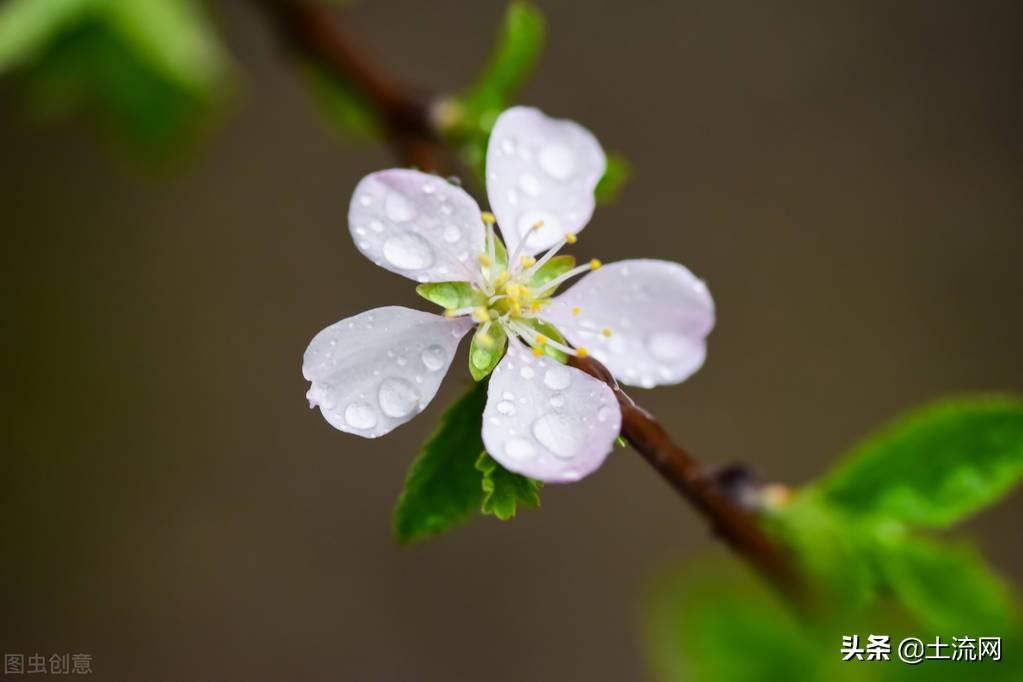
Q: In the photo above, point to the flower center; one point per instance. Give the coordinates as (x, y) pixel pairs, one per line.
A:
(515, 289)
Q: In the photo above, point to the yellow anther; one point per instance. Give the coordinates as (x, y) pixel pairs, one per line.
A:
(535, 306)
(594, 264)
(571, 238)
(486, 340)
(482, 315)
(488, 217)
(527, 261)
(537, 351)
(606, 332)
(576, 311)
(581, 351)
(516, 308)
(541, 339)
(513, 291)
(449, 313)
(502, 278)
(537, 225)
(485, 260)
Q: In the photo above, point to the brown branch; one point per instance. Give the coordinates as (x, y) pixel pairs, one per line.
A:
(310, 31)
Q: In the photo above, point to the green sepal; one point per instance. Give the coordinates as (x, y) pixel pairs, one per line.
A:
(442, 488)
(614, 178)
(504, 491)
(483, 359)
(552, 333)
(450, 295)
(555, 267)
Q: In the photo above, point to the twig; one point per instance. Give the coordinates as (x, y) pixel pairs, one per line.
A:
(310, 30)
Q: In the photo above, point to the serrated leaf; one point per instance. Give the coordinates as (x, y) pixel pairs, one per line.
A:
(935, 466)
(504, 491)
(551, 332)
(484, 356)
(450, 295)
(443, 487)
(615, 176)
(555, 267)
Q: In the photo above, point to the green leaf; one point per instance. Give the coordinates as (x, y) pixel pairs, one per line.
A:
(615, 176)
(504, 491)
(555, 267)
(935, 466)
(947, 588)
(483, 357)
(443, 486)
(341, 104)
(28, 26)
(450, 295)
(515, 53)
(551, 332)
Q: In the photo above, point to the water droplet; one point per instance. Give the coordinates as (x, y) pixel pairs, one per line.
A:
(557, 378)
(513, 196)
(398, 208)
(397, 397)
(408, 251)
(376, 226)
(361, 231)
(508, 395)
(604, 413)
(446, 209)
(360, 416)
(451, 234)
(570, 475)
(365, 200)
(433, 357)
(668, 346)
(526, 372)
(508, 146)
(529, 184)
(519, 448)
(402, 361)
(506, 408)
(557, 161)
(557, 401)
(559, 434)
(428, 188)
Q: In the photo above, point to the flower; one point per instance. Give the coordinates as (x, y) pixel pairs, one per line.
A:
(646, 320)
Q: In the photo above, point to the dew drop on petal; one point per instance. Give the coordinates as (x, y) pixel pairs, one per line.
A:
(557, 401)
(557, 378)
(451, 234)
(559, 434)
(433, 357)
(507, 146)
(519, 448)
(408, 251)
(365, 200)
(376, 226)
(529, 184)
(398, 208)
(604, 413)
(506, 408)
(526, 372)
(557, 161)
(360, 416)
(397, 397)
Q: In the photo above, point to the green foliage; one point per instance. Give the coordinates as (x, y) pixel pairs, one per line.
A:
(555, 267)
(504, 491)
(146, 70)
(483, 356)
(343, 107)
(443, 487)
(615, 176)
(451, 295)
(934, 467)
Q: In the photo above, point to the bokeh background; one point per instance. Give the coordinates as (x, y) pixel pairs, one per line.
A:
(846, 177)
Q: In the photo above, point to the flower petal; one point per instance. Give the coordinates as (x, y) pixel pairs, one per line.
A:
(541, 169)
(658, 314)
(373, 372)
(547, 420)
(417, 225)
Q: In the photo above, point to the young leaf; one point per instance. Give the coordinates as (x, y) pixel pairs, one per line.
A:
(443, 486)
(450, 295)
(503, 490)
(484, 355)
(615, 176)
(934, 467)
(555, 267)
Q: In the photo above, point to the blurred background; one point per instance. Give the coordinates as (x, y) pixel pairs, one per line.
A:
(845, 176)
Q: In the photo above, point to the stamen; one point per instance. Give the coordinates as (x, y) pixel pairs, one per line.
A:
(527, 262)
(541, 339)
(458, 312)
(543, 259)
(533, 339)
(522, 242)
(481, 314)
(592, 265)
(606, 332)
(581, 351)
(571, 238)
(502, 278)
(488, 218)
(576, 311)
(535, 306)
(537, 351)
(485, 260)
(484, 338)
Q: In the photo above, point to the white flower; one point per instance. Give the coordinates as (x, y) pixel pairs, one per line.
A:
(646, 320)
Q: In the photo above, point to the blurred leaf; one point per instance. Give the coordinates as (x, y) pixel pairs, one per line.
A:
(947, 588)
(483, 357)
(28, 26)
(450, 295)
(342, 105)
(615, 176)
(504, 491)
(443, 487)
(935, 466)
(515, 53)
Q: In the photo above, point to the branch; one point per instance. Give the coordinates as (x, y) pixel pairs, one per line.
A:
(311, 32)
